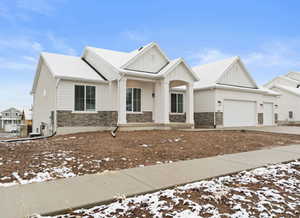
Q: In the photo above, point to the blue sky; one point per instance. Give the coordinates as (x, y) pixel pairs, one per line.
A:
(265, 34)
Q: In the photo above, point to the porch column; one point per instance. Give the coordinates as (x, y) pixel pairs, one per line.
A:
(122, 101)
(165, 101)
(190, 103)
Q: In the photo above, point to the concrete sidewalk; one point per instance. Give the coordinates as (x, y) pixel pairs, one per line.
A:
(55, 196)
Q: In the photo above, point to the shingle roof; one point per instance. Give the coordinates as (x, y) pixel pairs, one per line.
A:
(70, 67)
(210, 73)
(116, 58)
(292, 90)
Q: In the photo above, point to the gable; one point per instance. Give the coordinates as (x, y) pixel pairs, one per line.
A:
(151, 61)
(294, 75)
(180, 73)
(236, 75)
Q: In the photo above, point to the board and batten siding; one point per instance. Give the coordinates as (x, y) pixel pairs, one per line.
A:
(106, 99)
(151, 61)
(43, 98)
(236, 76)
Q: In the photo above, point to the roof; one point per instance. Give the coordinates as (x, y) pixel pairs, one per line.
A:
(70, 67)
(210, 73)
(11, 109)
(295, 91)
(116, 58)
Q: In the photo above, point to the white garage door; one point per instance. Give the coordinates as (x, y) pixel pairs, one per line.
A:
(239, 113)
(268, 113)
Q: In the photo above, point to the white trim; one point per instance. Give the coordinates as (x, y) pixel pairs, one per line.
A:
(183, 103)
(134, 112)
(84, 111)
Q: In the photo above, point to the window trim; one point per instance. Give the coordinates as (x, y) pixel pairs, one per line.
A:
(183, 108)
(74, 102)
(134, 112)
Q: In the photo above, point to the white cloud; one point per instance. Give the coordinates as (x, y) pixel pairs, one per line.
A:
(61, 45)
(208, 55)
(135, 35)
(21, 44)
(38, 6)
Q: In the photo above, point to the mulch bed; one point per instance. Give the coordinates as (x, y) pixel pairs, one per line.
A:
(88, 153)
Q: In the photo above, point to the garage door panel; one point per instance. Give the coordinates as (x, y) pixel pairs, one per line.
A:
(239, 113)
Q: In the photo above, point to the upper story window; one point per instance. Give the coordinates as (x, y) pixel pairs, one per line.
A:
(85, 98)
(133, 99)
(176, 103)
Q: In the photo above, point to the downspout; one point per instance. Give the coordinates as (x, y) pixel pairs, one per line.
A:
(54, 128)
(114, 132)
(215, 108)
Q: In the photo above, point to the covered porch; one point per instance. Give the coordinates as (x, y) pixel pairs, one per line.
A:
(162, 102)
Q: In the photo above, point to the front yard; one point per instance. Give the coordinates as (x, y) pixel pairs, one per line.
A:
(88, 153)
(272, 191)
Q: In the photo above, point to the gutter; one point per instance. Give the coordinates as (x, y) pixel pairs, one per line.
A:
(216, 86)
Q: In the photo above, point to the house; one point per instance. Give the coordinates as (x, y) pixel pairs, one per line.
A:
(144, 89)
(227, 96)
(10, 119)
(289, 102)
(105, 88)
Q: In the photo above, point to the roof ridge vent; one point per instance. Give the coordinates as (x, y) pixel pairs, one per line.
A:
(140, 48)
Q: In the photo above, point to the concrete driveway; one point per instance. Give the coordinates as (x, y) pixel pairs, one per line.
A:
(277, 129)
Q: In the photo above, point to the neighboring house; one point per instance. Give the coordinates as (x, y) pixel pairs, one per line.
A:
(227, 96)
(10, 119)
(105, 88)
(289, 102)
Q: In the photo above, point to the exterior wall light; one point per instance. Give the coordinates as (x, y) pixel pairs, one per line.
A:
(276, 106)
(219, 103)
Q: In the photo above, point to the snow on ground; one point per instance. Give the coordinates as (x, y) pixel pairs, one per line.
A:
(272, 191)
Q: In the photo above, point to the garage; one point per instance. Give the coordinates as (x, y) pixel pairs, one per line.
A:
(268, 114)
(239, 113)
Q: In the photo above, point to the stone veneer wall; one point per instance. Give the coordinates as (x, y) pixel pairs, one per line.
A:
(179, 118)
(101, 118)
(144, 117)
(204, 119)
(260, 117)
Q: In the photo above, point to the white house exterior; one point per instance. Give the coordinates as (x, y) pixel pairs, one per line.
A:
(105, 88)
(227, 96)
(10, 119)
(144, 89)
(289, 102)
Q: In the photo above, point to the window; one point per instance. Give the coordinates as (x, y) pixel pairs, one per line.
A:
(85, 98)
(291, 114)
(176, 103)
(133, 99)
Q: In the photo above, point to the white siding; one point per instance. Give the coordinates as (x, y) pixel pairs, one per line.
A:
(236, 76)
(105, 95)
(43, 98)
(204, 101)
(151, 61)
(288, 102)
(147, 90)
(180, 73)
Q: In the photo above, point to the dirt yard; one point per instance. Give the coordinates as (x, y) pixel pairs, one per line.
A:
(88, 153)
